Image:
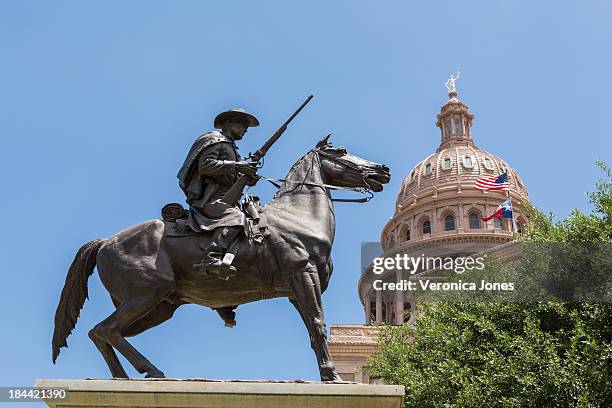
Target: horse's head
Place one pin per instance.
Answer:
(342, 169)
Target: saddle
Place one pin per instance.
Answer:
(256, 220)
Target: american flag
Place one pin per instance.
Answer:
(501, 182)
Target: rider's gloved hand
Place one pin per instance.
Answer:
(246, 168)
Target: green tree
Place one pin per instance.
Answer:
(539, 354)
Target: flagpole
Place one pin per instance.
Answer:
(512, 225)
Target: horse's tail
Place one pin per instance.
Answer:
(73, 294)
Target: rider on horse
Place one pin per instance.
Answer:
(212, 166)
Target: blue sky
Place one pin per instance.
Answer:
(100, 101)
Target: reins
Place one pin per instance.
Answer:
(361, 190)
(275, 181)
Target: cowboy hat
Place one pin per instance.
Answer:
(249, 119)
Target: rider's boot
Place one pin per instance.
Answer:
(217, 259)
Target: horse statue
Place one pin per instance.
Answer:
(149, 273)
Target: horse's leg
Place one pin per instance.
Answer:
(109, 355)
(316, 284)
(307, 295)
(297, 307)
(111, 329)
(162, 312)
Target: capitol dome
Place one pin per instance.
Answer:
(448, 176)
(439, 210)
(452, 165)
(457, 160)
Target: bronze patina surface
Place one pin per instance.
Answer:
(148, 269)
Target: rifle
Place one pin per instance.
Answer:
(233, 194)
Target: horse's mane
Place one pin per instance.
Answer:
(299, 161)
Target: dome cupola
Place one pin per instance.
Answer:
(454, 119)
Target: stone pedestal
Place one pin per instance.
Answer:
(221, 394)
(350, 346)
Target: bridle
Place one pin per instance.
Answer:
(318, 152)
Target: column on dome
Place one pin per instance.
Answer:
(378, 307)
(434, 224)
(386, 310)
(399, 301)
(434, 219)
(368, 310)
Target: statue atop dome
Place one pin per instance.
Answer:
(450, 84)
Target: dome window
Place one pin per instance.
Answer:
(458, 126)
(447, 164)
(467, 162)
(497, 223)
(427, 169)
(449, 223)
(447, 127)
(427, 227)
(412, 176)
(408, 235)
(474, 220)
(488, 163)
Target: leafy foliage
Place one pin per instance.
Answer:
(539, 354)
(578, 227)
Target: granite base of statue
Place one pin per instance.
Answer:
(166, 393)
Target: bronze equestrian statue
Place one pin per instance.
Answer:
(148, 269)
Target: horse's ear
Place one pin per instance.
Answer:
(324, 142)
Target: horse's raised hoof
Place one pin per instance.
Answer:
(155, 374)
(228, 315)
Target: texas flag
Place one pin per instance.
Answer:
(503, 211)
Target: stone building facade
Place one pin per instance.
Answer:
(438, 213)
